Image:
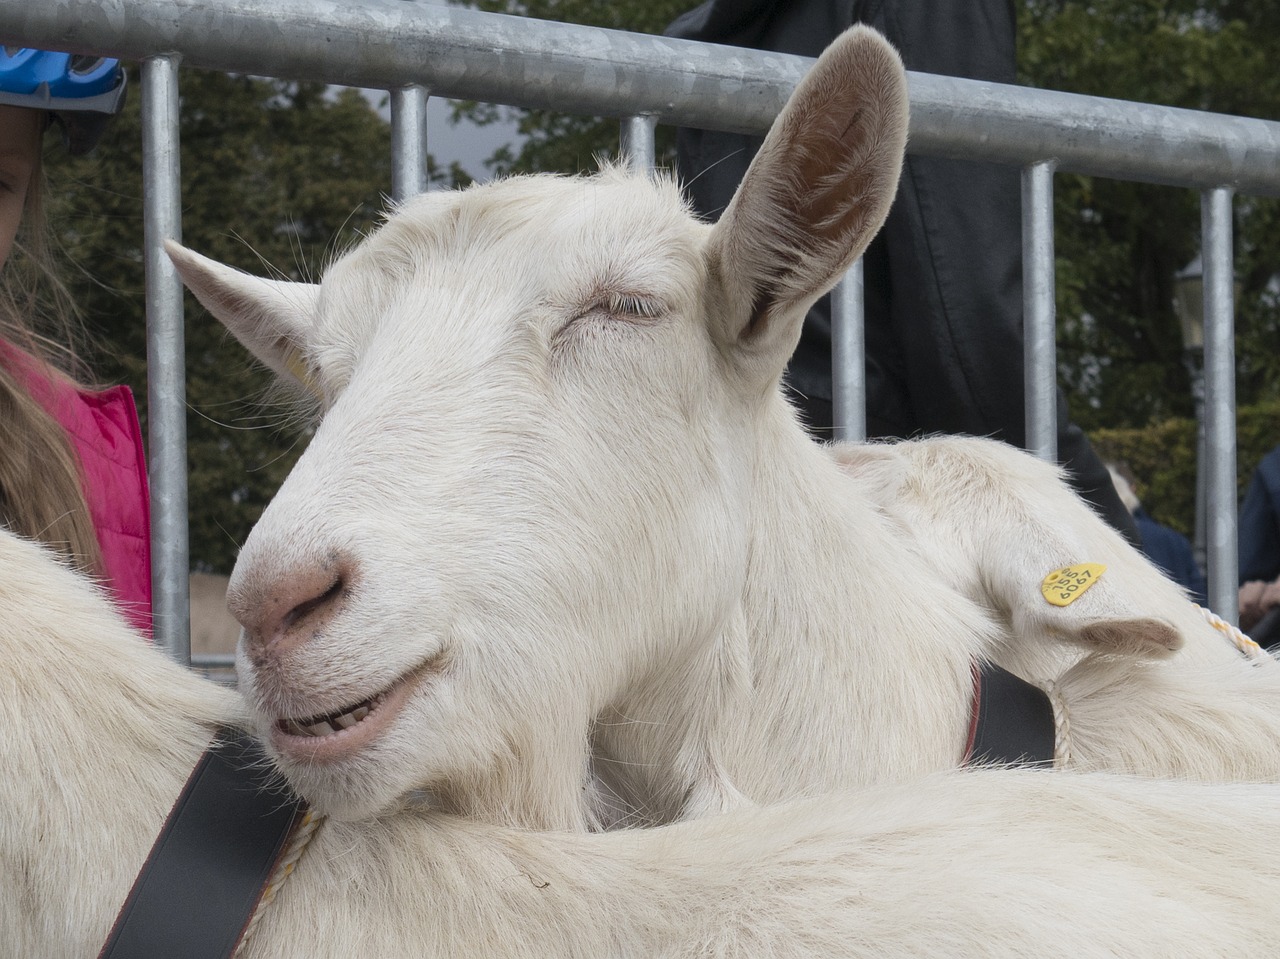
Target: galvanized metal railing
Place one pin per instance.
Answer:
(412, 49)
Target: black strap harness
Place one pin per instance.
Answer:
(198, 889)
(1012, 721)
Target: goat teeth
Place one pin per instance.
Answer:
(328, 725)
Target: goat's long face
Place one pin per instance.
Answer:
(521, 490)
(542, 403)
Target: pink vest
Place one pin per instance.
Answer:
(104, 431)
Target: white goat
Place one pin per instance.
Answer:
(101, 730)
(557, 507)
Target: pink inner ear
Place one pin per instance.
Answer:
(846, 153)
(824, 179)
(1141, 637)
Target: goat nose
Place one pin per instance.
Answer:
(284, 611)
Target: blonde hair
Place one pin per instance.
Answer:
(41, 481)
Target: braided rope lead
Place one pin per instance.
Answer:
(1061, 724)
(1238, 639)
(284, 869)
(1062, 718)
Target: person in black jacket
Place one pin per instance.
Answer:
(943, 280)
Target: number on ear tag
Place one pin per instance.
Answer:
(1064, 586)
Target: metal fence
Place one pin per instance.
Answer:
(414, 50)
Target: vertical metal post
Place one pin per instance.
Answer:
(1199, 529)
(637, 142)
(166, 360)
(1220, 401)
(408, 142)
(1040, 372)
(848, 357)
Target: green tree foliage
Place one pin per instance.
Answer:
(1163, 456)
(1120, 244)
(275, 177)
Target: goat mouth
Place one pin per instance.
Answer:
(333, 736)
(331, 723)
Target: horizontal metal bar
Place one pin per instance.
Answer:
(1093, 135)
(213, 660)
(216, 666)
(466, 54)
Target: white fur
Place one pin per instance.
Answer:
(100, 732)
(555, 479)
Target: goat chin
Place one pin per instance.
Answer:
(101, 731)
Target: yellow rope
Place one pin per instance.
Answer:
(1238, 639)
(1061, 724)
(1062, 718)
(284, 869)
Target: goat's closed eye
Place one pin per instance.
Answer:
(623, 306)
(607, 314)
(633, 307)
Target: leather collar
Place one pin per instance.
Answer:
(198, 889)
(1012, 721)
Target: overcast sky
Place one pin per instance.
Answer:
(465, 142)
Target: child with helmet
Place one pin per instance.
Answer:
(72, 465)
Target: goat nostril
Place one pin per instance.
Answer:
(302, 610)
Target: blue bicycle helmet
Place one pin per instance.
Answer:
(81, 93)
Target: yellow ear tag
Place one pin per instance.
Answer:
(1064, 586)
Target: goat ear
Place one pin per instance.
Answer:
(272, 318)
(814, 196)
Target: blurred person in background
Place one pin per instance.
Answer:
(72, 465)
(1164, 546)
(1260, 552)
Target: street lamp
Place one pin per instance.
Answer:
(1188, 303)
